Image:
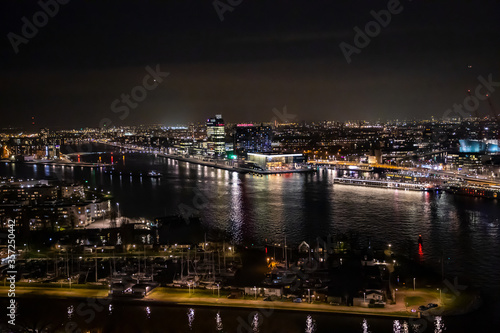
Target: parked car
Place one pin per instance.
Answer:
(423, 308)
(297, 300)
(432, 305)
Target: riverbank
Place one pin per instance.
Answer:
(224, 166)
(228, 165)
(207, 298)
(60, 163)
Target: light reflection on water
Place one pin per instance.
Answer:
(463, 230)
(129, 317)
(310, 325)
(218, 322)
(190, 315)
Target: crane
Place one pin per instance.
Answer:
(478, 117)
(494, 114)
(476, 112)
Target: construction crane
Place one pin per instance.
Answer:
(492, 108)
(476, 110)
(494, 114)
(478, 117)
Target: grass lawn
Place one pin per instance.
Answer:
(184, 293)
(64, 292)
(460, 302)
(58, 285)
(415, 300)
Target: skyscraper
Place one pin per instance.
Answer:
(216, 135)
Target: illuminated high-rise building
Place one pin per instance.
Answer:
(216, 135)
(249, 138)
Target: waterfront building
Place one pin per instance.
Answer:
(216, 135)
(272, 161)
(466, 162)
(249, 138)
(477, 146)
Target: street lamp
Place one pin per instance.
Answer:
(255, 288)
(218, 290)
(440, 297)
(414, 284)
(309, 294)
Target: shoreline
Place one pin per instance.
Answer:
(205, 302)
(60, 163)
(232, 168)
(212, 164)
(167, 296)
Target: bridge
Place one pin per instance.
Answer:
(87, 153)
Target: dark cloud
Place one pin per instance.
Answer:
(263, 55)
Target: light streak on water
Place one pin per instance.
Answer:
(365, 326)
(406, 329)
(190, 315)
(218, 322)
(439, 325)
(255, 323)
(396, 327)
(310, 325)
(71, 309)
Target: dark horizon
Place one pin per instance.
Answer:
(260, 57)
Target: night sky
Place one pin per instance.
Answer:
(263, 55)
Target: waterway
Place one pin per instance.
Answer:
(465, 231)
(112, 316)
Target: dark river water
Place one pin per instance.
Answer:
(250, 209)
(60, 315)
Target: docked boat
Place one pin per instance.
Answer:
(474, 191)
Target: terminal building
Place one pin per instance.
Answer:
(276, 162)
